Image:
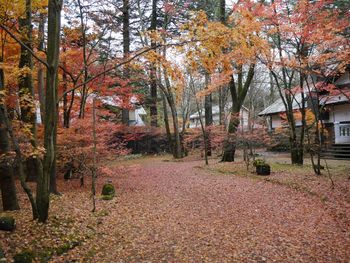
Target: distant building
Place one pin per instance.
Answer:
(244, 116)
(136, 112)
(336, 116)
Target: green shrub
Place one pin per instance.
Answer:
(7, 223)
(263, 169)
(259, 162)
(107, 197)
(24, 257)
(108, 191)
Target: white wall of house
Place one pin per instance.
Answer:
(135, 116)
(275, 121)
(244, 117)
(340, 113)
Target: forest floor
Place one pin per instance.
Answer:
(184, 211)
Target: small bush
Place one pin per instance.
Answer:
(263, 169)
(24, 257)
(107, 197)
(7, 223)
(108, 191)
(258, 162)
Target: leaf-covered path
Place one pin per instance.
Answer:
(180, 212)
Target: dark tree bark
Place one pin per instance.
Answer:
(26, 90)
(166, 123)
(199, 110)
(54, 27)
(41, 78)
(238, 93)
(65, 96)
(208, 115)
(223, 90)
(84, 91)
(7, 182)
(153, 77)
(177, 147)
(222, 16)
(126, 49)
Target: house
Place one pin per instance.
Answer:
(244, 116)
(335, 115)
(136, 112)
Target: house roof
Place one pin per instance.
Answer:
(335, 99)
(278, 106)
(117, 101)
(215, 110)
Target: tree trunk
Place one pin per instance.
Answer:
(177, 139)
(167, 127)
(41, 78)
(65, 96)
(221, 15)
(153, 77)
(177, 147)
(223, 90)
(54, 26)
(126, 50)
(26, 91)
(84, 91)
(7, 182)
(238, 95)
(208, 114)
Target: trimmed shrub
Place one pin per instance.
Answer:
(24, 257)
(7, 223)
(258, 162)
(108, 191)
(263, 169)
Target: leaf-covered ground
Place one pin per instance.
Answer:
(167, 211)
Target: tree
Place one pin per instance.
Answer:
(50, 122)
(126, 49)
(153, 77)
(7, 182)
(230, 55)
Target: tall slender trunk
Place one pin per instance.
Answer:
(26, 90)
(177, 139)
(65, 96)
(7, 182)
(41, 78)
(19, 163)
(199, 110)
(94, 165)
(223, 90)
(153, 77)
(167, 90)
(177, 146)
(166, 123)
(238, 93)
(208, 113)
(84, 91)
(126, 50)
(54, 27)
(221, 15)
